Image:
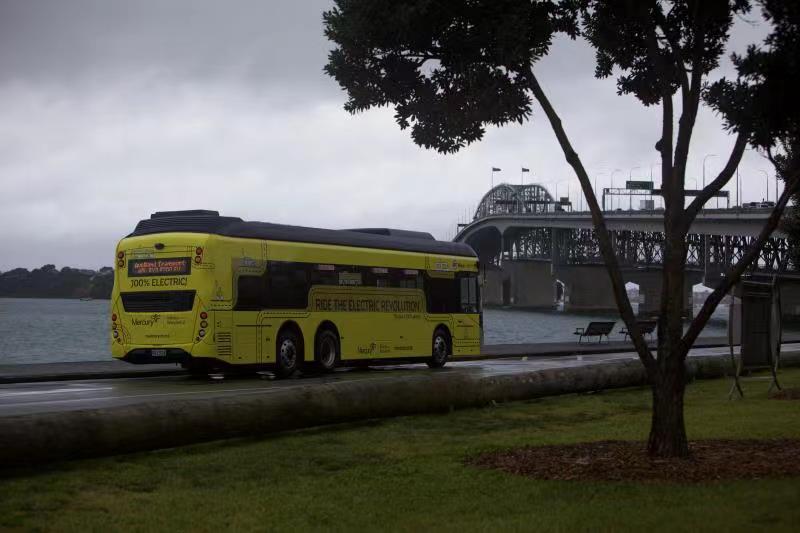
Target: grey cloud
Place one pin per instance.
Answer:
(259, 42)
(112, 110)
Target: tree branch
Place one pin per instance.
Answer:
(691, 102)
(674, 49)
(719, 182)
(735, 274)
(669, 191)
(606, 249)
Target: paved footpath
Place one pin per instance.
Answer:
(46, 421)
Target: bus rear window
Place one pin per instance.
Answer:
(157, 301)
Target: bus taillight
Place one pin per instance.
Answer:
(203, 315)
(113, 317)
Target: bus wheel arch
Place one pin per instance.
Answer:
(441, 346)
(289, 349)
(327, 346)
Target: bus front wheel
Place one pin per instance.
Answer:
(287, 353)
(327, 350)
(440, 349)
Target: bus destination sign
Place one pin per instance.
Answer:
(179, 266)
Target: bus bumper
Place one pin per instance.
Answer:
(148, 356)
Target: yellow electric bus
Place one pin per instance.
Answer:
(209, 291)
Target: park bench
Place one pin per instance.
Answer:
(647, 327)
(595, 329)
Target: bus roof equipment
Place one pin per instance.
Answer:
(205, 221)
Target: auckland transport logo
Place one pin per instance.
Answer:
(152, 321)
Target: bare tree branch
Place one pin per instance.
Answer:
(719, 182)
(735, 274)
(610, 258)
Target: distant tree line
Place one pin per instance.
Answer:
(49, 282)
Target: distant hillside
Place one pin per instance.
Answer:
(49, 282)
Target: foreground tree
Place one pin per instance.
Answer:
(768, 83)
(450, 68)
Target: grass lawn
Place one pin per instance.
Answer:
(407, 474)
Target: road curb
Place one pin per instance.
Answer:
(43, 437)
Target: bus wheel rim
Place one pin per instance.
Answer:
(288, 353)
(328, 353)
(439, 348)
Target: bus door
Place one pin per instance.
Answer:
(468, 325)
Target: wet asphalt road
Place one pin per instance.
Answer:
(27, 398)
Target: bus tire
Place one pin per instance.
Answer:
(327, 350)
(440, 348)
(197, 369)
(288, 353)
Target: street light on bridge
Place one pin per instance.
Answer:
(558, 198)
(704, 167)
(766, 183)
(630, 197)
(596, 190)
(612, 185)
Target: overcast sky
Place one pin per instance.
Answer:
(114, 109)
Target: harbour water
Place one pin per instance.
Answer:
(34, 330)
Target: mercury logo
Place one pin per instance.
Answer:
(154, 318)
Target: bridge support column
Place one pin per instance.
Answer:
(790, 301)
(531, 283)
(587, 288)
(650, 291)
(519, 284)
(492, 290)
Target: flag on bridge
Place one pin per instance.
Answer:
(495, 169)
(526, 169)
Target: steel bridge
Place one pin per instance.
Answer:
(522, 231)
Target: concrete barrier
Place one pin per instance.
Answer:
(43, 437)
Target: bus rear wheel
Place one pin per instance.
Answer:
(287, 353)
(327, 350)
(440, 350)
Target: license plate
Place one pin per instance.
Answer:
(158, 353)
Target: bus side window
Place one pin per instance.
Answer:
(288, 285)
(323, 275)
(469, 294)
(442, 295)
(464, 294)
(406, 278)
(250, 292)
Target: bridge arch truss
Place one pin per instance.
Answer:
(508, 199)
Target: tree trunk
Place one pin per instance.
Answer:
(668, 430)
